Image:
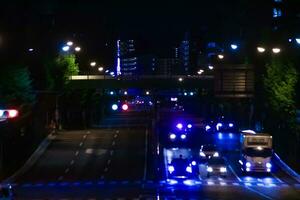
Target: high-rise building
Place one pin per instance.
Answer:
(184, 54)
(127, 60)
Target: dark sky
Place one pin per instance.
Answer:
(158, 24)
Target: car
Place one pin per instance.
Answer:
(216, 166)
(208, 151)
(6, 192)
(180, 168)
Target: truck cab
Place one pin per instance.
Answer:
(256, 152)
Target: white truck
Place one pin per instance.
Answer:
(256, 152)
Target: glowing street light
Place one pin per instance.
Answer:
(210, 67)
(93, 64)
(298, 40)
(276, 50)
(69, 43)
(234, 46)
(65, 48)
(261, 49)
(100, 69)
(201, 71)
(221, 56)
(77, 49)
(180, 79)
(147, 92)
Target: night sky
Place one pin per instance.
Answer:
(157, 24)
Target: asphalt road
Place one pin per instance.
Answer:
(115, 161)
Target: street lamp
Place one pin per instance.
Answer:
(180, 79)
(276, 50)
(65, 48)
(147, 92)
(261, 49)
(100, 69)
(77, 49)
(221, 56)
(93, 64)
(210, 67)
(70, 43)
(234, 46)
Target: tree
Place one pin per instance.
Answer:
(15, 86)
(280, 87)
(60, 69)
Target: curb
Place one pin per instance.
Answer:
(286, 168)
(33, 158)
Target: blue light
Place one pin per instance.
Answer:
(207, 127)
(191, 93)
(118, 58)
(189, 182)
(172, 136)
(172, 181)
(230, 135)
(220, 136)
(111, 93)
(234, 46)
(189, 126)
(179, 126)
(183, 136)
(114, 107)
(194, 163)
(268, 165)
(188, 169)
(219, 125)
(230, 125)
(248, 164)
(171, 169)
(185, 94)
(298, 40)
(65, 48)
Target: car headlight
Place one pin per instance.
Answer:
(209, 169)
(202, 154)
(172, 136)
(171, 169)
(189, 169)
(207, 127)
(216, 154)
(248, 164)
(183, 136)
(223, 169)
(268, 165)
(230, 125)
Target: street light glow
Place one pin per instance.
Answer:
(77, 49)
(147, 93)
(65, 48)
(298, 40)
(93, 64)
(70, 43)
(100, 69)
(221, 56)
(210, 67)
(276, 50)
(261, 49)
(234, 46)
(180, 79)
(200, 71)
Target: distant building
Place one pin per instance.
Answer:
(167, 66)
(184, 54)
(147, 65)
(127, 60)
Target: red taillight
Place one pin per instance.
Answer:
(125, 107)
(13, 113)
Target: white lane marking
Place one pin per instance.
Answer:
(108, 162)
(238, 178)
(81, 143)
(259, 193)
(77, 153)
(67, 170)
(111, 152)
(113, 143)
(60, 178)
(146, 154)
(72, 162)
(278, 179)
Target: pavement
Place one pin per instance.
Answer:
(115, 161)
